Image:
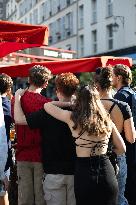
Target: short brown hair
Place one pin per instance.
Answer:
(39, 75)
(66, 83)
(123, 71)
(5, 83)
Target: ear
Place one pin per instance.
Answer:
(29, 80)
(97, 87)
(45, 85)
(119, 78)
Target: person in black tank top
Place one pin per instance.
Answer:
(121, 116)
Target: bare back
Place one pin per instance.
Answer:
(115, 114)
(122, 117)
(89, 145)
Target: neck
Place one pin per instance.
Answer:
(120, 86)
(105, 94)
(34, 89)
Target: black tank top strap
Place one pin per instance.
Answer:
(114, 103)
(111, 108)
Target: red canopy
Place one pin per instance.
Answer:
(74, 66)
(15, 37)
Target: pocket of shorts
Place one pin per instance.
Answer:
(47, 195)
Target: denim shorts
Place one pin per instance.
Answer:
(2, 191)
(121, 177)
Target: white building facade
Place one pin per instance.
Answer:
(90, 27)
(3, 9)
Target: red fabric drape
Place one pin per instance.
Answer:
(14, 36)
(74, 66)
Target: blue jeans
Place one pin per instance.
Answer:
(121, 177)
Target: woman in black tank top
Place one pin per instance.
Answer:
(121, 116)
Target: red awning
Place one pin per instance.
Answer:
(74, 66)
(15, 36)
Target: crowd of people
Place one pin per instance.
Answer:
(77, 150)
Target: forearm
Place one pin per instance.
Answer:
(58, 113)
(19, 116)
(61, 104)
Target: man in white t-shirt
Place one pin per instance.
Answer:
(3, 152)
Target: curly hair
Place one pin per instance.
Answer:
(5, 83)
(103, 76)
(39, 75)
(66, 83)
(123, 71)
(89, 113)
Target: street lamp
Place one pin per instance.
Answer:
(115, 25)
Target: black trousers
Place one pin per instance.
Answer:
(95, 181)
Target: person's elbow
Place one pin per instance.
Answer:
(132, 137)
(132, 140)
(123, 149)
(120, 150)
(17, 121)
(20, 121)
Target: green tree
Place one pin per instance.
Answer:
(133, 76)
(85, 78)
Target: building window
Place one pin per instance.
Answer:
(109, 8)
(26, 20)
(63, 4)
(94, 11)
(68, 47)
(42, 17)
(63, 27)
(94, 41)
(50, 34)
(68, 2)
(34, 2)
(58, 30)
(30, 5)
(81, 45)
(110, 36)
(35, 16)
(50, 8)
(81, 16)
(69, 24)
(30, 18)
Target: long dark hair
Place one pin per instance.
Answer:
(89, 114)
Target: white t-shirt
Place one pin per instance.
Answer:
(3, 143)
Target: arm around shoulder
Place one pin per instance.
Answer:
(58, 113)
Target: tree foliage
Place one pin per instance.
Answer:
(85, 78)
(133, 76)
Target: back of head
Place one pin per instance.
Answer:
(103, 77)
(66, 83)
(6, 83)
(89, 113)
(125, 72)
(39, 75)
